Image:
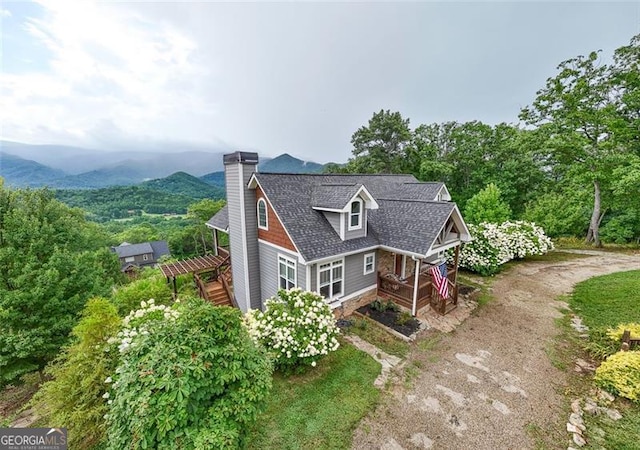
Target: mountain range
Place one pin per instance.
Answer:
(25, 165)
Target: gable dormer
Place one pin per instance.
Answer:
(345, 207)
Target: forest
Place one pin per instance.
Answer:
(572, 163)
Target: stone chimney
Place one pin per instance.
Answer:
(243, 228)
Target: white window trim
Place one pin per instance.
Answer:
(129, 259)
(341, 260)
(292, 261)
(266, 214)
(373, 263)
(360, 215)
(145, 257)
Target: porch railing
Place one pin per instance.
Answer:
(402, 291)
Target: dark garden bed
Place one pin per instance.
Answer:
(389, 314)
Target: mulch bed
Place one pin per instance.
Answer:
(389, 318)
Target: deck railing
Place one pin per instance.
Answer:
(402, 290)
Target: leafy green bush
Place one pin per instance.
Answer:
(189, 380)
(73, 398)
(620, 375)
(381, 305)
(128, 297)
(558, 214)
(296, 327)
(487, 206)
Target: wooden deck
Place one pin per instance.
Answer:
(402, 291)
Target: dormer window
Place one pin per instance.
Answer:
(355, 215)
(262, 215)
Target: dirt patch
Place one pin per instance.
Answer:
(489, 382)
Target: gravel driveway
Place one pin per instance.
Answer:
(490, 383)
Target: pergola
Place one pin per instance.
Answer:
(194, 265)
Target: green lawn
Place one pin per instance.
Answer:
(605, 302)
(374, 334)
(608, 300)
(321, 408)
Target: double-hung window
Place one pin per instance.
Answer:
(286, 272)
(355, 215)
(330, 279)
(369, 263)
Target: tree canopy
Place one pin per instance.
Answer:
(51, 261)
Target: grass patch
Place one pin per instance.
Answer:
(575, 243)
(602, 302)
(320, 408)
(608, 300)
(372, 333)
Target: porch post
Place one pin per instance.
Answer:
(456, 261)
(416, 282)
(215, 242)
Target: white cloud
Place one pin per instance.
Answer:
(5, 12)
(107, 64)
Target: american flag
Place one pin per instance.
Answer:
(439, 276)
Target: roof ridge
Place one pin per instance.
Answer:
(413, 200)
(338, 174)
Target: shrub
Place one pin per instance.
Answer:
(620, 375)
(128, 297)
(296, 327)
(404, 318)
(189, 380)
(74, 397)
(487, 206)
(616, 333)
(381, 305)
(494, 245)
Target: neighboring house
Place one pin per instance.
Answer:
(350, 238)
(145, 254)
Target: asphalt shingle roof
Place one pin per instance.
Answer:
(125, 251)
(333, 196)
(408, 219)
(156, 248)
(220, 220)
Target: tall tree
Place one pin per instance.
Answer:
(577, 106)
(51, 261)
(381, 146)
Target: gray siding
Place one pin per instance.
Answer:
(354, 278)
(334, 220)
(355, 233)
(245, 263)
(269, 280)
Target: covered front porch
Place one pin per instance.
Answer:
(407, 281)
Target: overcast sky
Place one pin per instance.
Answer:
(279, 77)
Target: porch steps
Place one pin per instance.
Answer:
(216, 294)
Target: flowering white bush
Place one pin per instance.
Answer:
(494, 245)
(297, 327)
(136, 323)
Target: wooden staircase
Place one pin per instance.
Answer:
(217, 294)
(215, 285)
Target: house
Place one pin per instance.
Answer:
(145, 254)
(351, 238)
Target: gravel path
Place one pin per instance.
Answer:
(490, 381)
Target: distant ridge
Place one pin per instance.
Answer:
(184, 184)
(20, 172)
(286, 163)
